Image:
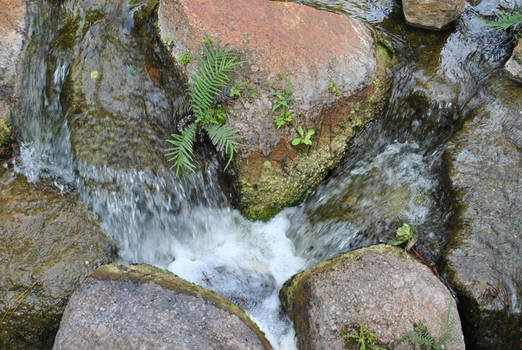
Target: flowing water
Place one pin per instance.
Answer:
(87, 135)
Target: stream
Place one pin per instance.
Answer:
(190, 227)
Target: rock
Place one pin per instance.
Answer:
(119, 113)
(513, 66)
(5, 134)
(48, 244)
(13, 29)
(432, 14)
(483, 259)
(380, 287)
(279, 43)
(140, 306)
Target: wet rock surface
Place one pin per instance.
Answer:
(281, 42)
(432, 14)
(48, 244)
(513, 66)
(112, 95)
(139, 306)
(13, 31)
(483, 260)
(380, 287)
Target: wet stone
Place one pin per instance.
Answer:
(139, 306)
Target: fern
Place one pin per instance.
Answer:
(421, 335)
(506, 20)
(224, 139)
(212, 76)
(181, 151)
(214, 66)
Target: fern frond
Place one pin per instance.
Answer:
(506, 20)
(182, 148)
(224, 138)
(421, 336)
(217, 62)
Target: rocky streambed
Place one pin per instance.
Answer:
(416, 112)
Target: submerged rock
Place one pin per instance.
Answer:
(483, 261)
(513, 66)
(432, 14)
(13, 28)
(380, 287)
(338, 85)
(140, 306)
(48, 244)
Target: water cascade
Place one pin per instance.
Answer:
(191, 227)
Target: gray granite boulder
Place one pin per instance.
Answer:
(381, 287)
(142, 307)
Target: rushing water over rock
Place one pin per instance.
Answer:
(102, 134)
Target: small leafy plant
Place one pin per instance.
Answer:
(422, 336)
(184, 58)
(304, 138)
(214, 66)
(237, 89)
(282, 104)
(364, 339)
(333, 88)
(403, 235)
(508, 21)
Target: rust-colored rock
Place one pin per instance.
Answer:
(278, 42)
(513, 66)
(13, 26)
(432, 14)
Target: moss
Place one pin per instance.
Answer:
(266, 186)
(142, 273)
(5, 138)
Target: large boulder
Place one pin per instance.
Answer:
(432, 14)
(513, 66)
(48, 244)
(381, 287)
(140, 306)
(121, 98)
(13, 29)
(280, 43)
(483, 261)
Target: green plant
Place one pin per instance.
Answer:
(422, 336)
(184, 58)
(132, 69)
(364, 339)
(168, 40)
(357, 123)
(237, 89)
(508, 21)
(333, 88)
(214, 66)
(282, 104)
(283, 119)
(403, 235)
(355, 109)
(304, 138)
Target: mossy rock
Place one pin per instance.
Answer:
(270, 173)
(5, 137)
(48, 244)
